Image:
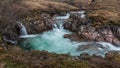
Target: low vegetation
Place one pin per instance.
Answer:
(17, 58)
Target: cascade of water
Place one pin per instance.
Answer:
(83, 15)
(58, 26)
(110, 46)
(63, 17)
(23, 30)
(53, 41)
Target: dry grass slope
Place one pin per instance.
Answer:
(47, 5)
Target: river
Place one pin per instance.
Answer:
(54, 41)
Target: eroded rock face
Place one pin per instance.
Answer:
(91, 46)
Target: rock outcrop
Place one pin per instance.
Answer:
(102, 22)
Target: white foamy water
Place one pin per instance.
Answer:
(28, 36)
(109, 46)
(82, 13)
(63, 17)
(23, 30)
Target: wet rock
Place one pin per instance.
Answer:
(84, 56)
(91, 46)
(73, 37)
(116, 30)
(111, 55)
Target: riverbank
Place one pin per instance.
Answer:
(16, 57)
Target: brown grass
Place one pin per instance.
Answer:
(47, 5)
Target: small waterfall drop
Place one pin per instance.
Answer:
(23, 30)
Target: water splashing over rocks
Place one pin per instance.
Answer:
(54, 41)
(23, 31)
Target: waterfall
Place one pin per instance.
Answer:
(23, 30)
